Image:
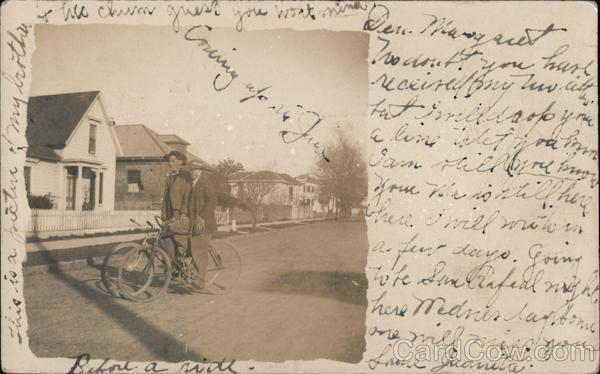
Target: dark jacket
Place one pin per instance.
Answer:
(203, 202)
(177, 194)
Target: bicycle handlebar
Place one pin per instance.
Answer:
(140, 225)
(160, 221)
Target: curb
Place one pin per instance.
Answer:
(77, 264)
(61, 266)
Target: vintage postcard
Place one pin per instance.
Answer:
(299, 187)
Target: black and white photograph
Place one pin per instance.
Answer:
(210, 186)
(174, 217)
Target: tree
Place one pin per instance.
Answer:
(343, 177)
(228, 166)
(223, 170)
(253, 194)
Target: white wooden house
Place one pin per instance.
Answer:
(72, 149)
(283, 190)
(310, 193)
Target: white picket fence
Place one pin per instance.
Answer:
(42, 220)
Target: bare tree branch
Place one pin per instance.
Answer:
(253, 194)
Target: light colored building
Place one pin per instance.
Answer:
(71, 151)
(310, 194)
(282, 188)
(309, 189)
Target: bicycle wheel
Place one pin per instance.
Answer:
(144, 275)
(110, 266)
(224, 267)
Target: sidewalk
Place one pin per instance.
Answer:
(52, 245)
(268, 225)
(81, 250)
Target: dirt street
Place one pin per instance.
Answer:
(302, 296)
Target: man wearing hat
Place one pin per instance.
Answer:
(175, 204)
(203, 201)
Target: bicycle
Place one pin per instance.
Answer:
(146, 270)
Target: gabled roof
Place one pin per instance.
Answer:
(265, 175)
(172, 138)
(51, 119)
(42, 152)
(261, 176)
(139, 141)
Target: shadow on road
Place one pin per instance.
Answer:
(162, 345)
(346, 287)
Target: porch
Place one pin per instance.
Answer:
(84, 186)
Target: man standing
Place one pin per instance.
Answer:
(203, 202)
(175, 204)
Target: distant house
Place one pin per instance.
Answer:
(286, 190)
(310, 195)
(71, 151)
(141, 169)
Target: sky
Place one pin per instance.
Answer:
(153, 76)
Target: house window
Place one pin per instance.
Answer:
(92, 144)
(291, 193)
(134, 181)
(27, 172)
(100, 188)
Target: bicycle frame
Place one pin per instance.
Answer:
(162, 234)
(224, 265)
(162, 228)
